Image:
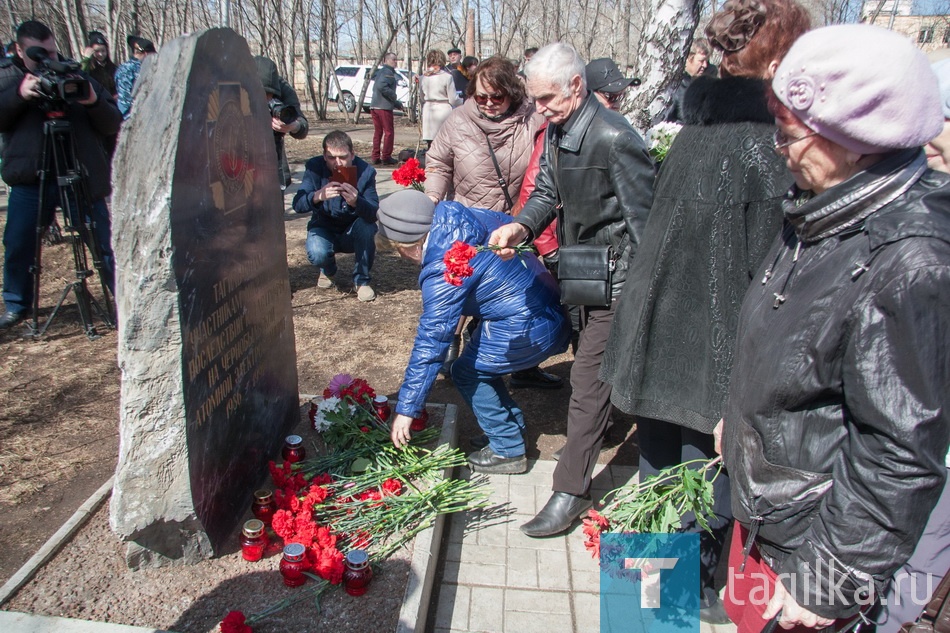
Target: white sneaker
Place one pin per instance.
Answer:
(324, 281)
(365, 293)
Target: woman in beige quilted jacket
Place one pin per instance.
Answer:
(438, 93)
(496, 118)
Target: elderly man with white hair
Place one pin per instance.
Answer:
(596, 179)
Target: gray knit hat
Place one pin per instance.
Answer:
(405, 216)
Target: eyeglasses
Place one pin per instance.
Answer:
(613, 97)
(496, 99)
(781, 140)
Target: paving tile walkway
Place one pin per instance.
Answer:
(498, 580)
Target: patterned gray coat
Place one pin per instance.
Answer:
(716, 210)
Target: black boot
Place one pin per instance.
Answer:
(557, 515)
(488, 461)
(536, 379)
(453, 354)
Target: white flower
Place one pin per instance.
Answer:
(328, 405)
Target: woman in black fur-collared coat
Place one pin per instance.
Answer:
(716, 210)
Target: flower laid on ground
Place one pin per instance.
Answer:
(330, 506)
(655, 505)
(660, 138)
(233, 622)
(457, 258)
(410, 175)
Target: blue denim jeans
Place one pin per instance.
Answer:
(496, 411)
(19, 242)
(359, 239)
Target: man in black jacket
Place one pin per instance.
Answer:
(381, 107)
(22, 121)
(596, 178)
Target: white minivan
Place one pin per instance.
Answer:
(351, 82)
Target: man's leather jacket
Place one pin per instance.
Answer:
(598, 168)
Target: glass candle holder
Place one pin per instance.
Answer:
(253, 540)
(420, 423)
(357, 573)
(381, 406)
(292, 565)
(264, 506)
(293, 451)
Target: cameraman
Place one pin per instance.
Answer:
(22, 118)
(277, 89)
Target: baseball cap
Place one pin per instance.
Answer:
(604, 76)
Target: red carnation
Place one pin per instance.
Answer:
(410, 174)
(392, 487)
(233, 622)
(593, 527)
(456, 260)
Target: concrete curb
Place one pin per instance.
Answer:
(54, 544)
(414, 614)
(14, 622)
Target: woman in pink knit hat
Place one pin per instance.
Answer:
(836, 425)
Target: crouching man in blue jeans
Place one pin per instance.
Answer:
(520, 320)
(339, 189)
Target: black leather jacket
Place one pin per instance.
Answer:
(837, 423)
(604, 175)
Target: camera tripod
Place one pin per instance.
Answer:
(59, 160)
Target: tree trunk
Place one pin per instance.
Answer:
(665, 44)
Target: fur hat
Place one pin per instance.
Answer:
(863, 87)
(405, 216)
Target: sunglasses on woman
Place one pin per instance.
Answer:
(496, 99)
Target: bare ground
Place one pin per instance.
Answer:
(59, 438)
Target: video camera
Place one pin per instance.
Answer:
(280, 110)
(59, 80)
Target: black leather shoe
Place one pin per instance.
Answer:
(9, 319)
(390, 161)
(557, 515)
(534, 378)
(488, 461)
(711, 609)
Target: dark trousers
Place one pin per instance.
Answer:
(382, 134)
(664, 444)
(589, 408)
(19, 242)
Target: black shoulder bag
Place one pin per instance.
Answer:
(509, 204)
(584, 271)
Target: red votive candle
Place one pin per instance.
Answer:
(381, 406)
(264, 506)
(357, 573)
(420, 423)
(253, 540)
(293, 451)
(292, 565)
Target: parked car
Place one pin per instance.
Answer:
(351, 82)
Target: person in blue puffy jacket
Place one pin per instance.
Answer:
(521, 321)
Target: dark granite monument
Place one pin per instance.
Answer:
(206, 339)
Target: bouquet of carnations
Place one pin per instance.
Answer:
(457, 258)
(660, 138)
(410, 174)
(657, 504)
